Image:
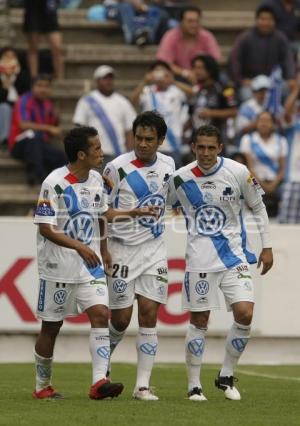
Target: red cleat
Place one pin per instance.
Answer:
(105, 389)
(47, 393)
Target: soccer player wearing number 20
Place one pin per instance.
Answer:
(211, 191)
(140, 178)
(70, 216)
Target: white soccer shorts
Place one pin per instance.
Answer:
(200, 290)
(140, 269)
(57, 301)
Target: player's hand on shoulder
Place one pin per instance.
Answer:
(266, 259)
(88, 255)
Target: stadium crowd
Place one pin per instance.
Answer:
(253, 101)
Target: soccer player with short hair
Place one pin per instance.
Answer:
(211, 191)
(70, 215)
(139, 178)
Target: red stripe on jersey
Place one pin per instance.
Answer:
(71, 178)
(197, 172)
(138, 163)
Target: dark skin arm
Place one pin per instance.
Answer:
(52, 233)
(266, 259)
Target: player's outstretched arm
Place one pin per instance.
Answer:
(52, 233)
(113, 215)
(266, 259)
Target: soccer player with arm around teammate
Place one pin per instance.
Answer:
(72, 202)
(139, 261)
(211, 191)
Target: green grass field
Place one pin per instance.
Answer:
(270, 396)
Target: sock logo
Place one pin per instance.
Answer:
(196, 347)
(239, 344)
(43, 371)
(104, 351)
(149, 348)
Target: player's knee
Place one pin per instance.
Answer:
(147, 319)
(99, 319)
(199, 319)
(51, 328)
(120, 323)
(245, 317)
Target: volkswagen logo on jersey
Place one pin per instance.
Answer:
(60, 297)
(119, 286)
(202, 287)
(80, 227)
(210, 220)
(152, 200)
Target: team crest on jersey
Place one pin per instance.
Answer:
(153, 186)
(84, 203)
(208, 197)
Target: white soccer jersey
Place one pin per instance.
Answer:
(137, 185)
(265, 154)
(172, 104)
(111, 115)
(74, 207)
(212, 206)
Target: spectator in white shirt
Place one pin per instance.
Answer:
(109, 112)
(159, 91)
(266, 152)
(250, 109)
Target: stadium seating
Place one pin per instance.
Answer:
(88, 44)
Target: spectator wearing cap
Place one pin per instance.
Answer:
(250, 109)
(109, 112)
(259, 51)
(266, 152)
(181, 44)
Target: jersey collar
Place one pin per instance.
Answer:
(199, 172)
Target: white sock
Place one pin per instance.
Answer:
(43, 372)
(236, 342)
(100, 352)
(194, 348)
(115, 337)
(146, 346)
